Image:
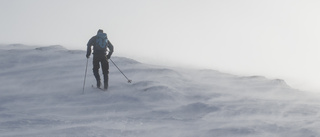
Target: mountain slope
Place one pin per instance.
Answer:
(41, 95)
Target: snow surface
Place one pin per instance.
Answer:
(41, 95)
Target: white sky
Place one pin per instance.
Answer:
(273, 38)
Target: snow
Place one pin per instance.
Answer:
(41, 95)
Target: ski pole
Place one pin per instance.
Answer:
(129, 81)
(85, 75)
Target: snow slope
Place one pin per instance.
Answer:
(41, 95)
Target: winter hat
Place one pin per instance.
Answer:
(100, 31)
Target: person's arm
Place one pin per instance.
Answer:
(110, 46)
(89, 44)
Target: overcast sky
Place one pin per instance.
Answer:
(272, 38)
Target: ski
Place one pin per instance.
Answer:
(98, 88)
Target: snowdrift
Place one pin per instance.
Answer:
(41, 95)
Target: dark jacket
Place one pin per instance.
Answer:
(100, 47)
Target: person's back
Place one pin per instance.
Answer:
(100, 45)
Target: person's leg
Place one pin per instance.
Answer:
(105, 70)
(95, 69)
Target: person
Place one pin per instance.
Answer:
(100, 44)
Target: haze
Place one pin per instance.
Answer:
(272, 38)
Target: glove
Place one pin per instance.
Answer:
(108, 56)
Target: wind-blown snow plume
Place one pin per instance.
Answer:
(41, 96)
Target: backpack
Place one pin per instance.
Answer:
(101, 41)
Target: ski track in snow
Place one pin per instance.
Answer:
(41, 95)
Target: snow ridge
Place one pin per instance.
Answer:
(41, 96)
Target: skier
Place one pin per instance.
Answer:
(100, 44)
